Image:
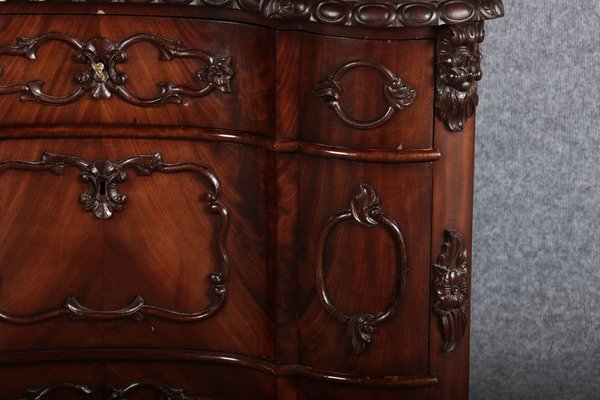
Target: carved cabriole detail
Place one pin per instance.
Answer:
(451, 289)
(101, 78)
(397, 94)
(458, 70)
(101, 201)
(160, 390)
(365, 210)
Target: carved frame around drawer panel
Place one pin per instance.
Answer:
(165, 392)
(108, 176)
(366, 211)
(397, 94)
(101, 77)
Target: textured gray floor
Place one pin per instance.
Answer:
(536, 256)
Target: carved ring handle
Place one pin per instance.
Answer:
(366, 211)
(397, 94)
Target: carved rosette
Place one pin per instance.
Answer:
(451, 289)
(397, 94)
(159, 390)
(458, 70)
(101, 78)
(366, 211)
(102, 199)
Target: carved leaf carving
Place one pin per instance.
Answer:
(451, 289)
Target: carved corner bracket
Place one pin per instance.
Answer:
(102, 198)
(397, 94)
(458, 70)
(102, 79)
(451, 289)
(108, 391)
(366, 211)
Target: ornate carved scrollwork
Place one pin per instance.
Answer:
(397, 94)
(160, 390)
(102, 198)
(458, 70)
(365, 210)
(382, 14)
(101, 78)
(451, 289)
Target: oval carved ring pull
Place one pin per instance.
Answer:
(397, 94)
(365, 210)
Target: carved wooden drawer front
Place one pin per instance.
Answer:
(237, 199)
(368, 94)
(131, 380)
(146, 71)
(130, 247)
(364, 262)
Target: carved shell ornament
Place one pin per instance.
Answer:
(102, 79)
(366, 211)
(397, 94)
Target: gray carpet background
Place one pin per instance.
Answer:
(536, 255)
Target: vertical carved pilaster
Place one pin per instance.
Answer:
(451, 289)
(458, 70)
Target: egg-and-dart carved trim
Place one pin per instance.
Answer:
(458, 70)
(101, 78)
(106, 174)
(366, 211)
(451, 289)
(108, 392)
(375, 14)
(397, 94)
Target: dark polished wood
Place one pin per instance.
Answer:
(237, 199)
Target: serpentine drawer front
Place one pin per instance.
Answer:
(237, 199)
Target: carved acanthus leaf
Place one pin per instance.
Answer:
(451, 289)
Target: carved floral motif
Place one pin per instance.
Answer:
(101, 79)
(451, 289)
(397, 94)
(102, 198)
(366, 211)
(458, 70)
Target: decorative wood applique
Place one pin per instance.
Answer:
(102, 198)
(397, 94)
(365, 210)
(160, 391)
(101, 78)
(451, 289)
(458, 70)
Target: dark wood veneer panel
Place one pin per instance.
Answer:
(249, 106)
(162, 246)
(363, 98)
(361, 265)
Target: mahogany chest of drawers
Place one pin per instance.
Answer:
(237, 199)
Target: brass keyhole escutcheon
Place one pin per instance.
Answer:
(99, 71)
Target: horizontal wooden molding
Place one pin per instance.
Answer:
(215, 357)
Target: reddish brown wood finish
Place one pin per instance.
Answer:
(279, 248)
